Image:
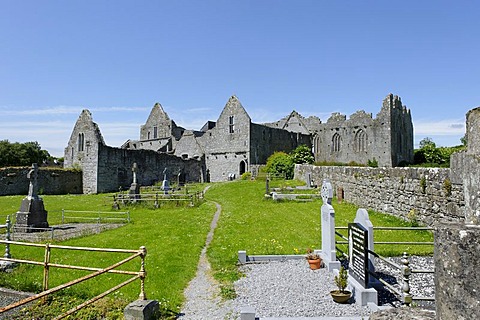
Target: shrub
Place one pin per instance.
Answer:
(302, 154)
(246, 176)
(280, 163)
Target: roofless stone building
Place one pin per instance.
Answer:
(232, 145)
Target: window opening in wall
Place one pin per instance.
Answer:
(231, 124)
(155, 132)
(360, 141)
(148, 135)
(81, 142)
(336, 142)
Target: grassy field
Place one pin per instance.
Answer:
(175, 236)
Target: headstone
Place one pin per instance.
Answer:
(358, 254)
(32, 213)
(165, 184)
(329, 251)
(181, 178)
(363, 219)
(308, 179)
(134, 190)
(339, 194)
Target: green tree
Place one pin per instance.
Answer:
(280, 163)
(431, 155)
(463, 140)
(21, 154)
(302, 154)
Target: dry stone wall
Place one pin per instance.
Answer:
(13, 181)
(431, 193)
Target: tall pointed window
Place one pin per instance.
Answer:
(231, 124)
(155, 132)
(360, 141)
(336, 142)
(81, 142)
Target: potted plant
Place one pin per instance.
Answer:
(341, 295)
(313, 259)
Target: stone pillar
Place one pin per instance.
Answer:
(457, 248)
(329, 251)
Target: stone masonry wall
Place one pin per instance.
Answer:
(395, 191)
(115, 168)
(457, 276)
(13, 181)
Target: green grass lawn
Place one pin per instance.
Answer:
(174, 237)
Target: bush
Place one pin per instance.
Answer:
(280, 163)
(246, 176)
(302, 154)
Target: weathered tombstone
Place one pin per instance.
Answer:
(32, 213)
(308, 179)
(165, 184)
(339, 194)
(134, 190)
(329, 251)
(181, 178)
(267, 186)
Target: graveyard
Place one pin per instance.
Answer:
(174, 236)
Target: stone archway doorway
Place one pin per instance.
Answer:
(243, 167)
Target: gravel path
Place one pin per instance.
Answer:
(203, 300)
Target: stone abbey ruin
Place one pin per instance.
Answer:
(225, 149)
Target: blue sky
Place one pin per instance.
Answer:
(117, 58)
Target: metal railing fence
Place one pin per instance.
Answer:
(97, 271)
(405, 270)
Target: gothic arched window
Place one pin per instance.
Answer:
(336, 142)
(81, 142)
(360, 141)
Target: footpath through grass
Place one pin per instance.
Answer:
(174, 237)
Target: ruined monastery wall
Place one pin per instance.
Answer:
(395, 191)
(13, 181)
(268, 140)
(115, 168)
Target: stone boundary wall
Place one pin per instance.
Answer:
(13, 181)
(396, 191)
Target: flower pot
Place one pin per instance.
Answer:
(340, 297)
(315, 264)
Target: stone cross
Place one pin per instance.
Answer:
(165, 173)
(329, 251)
(32, 176)
(134, 170)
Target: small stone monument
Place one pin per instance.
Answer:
(308, 179)
(165, 184)
(134, 191)
(32, 213)
(329, 251)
